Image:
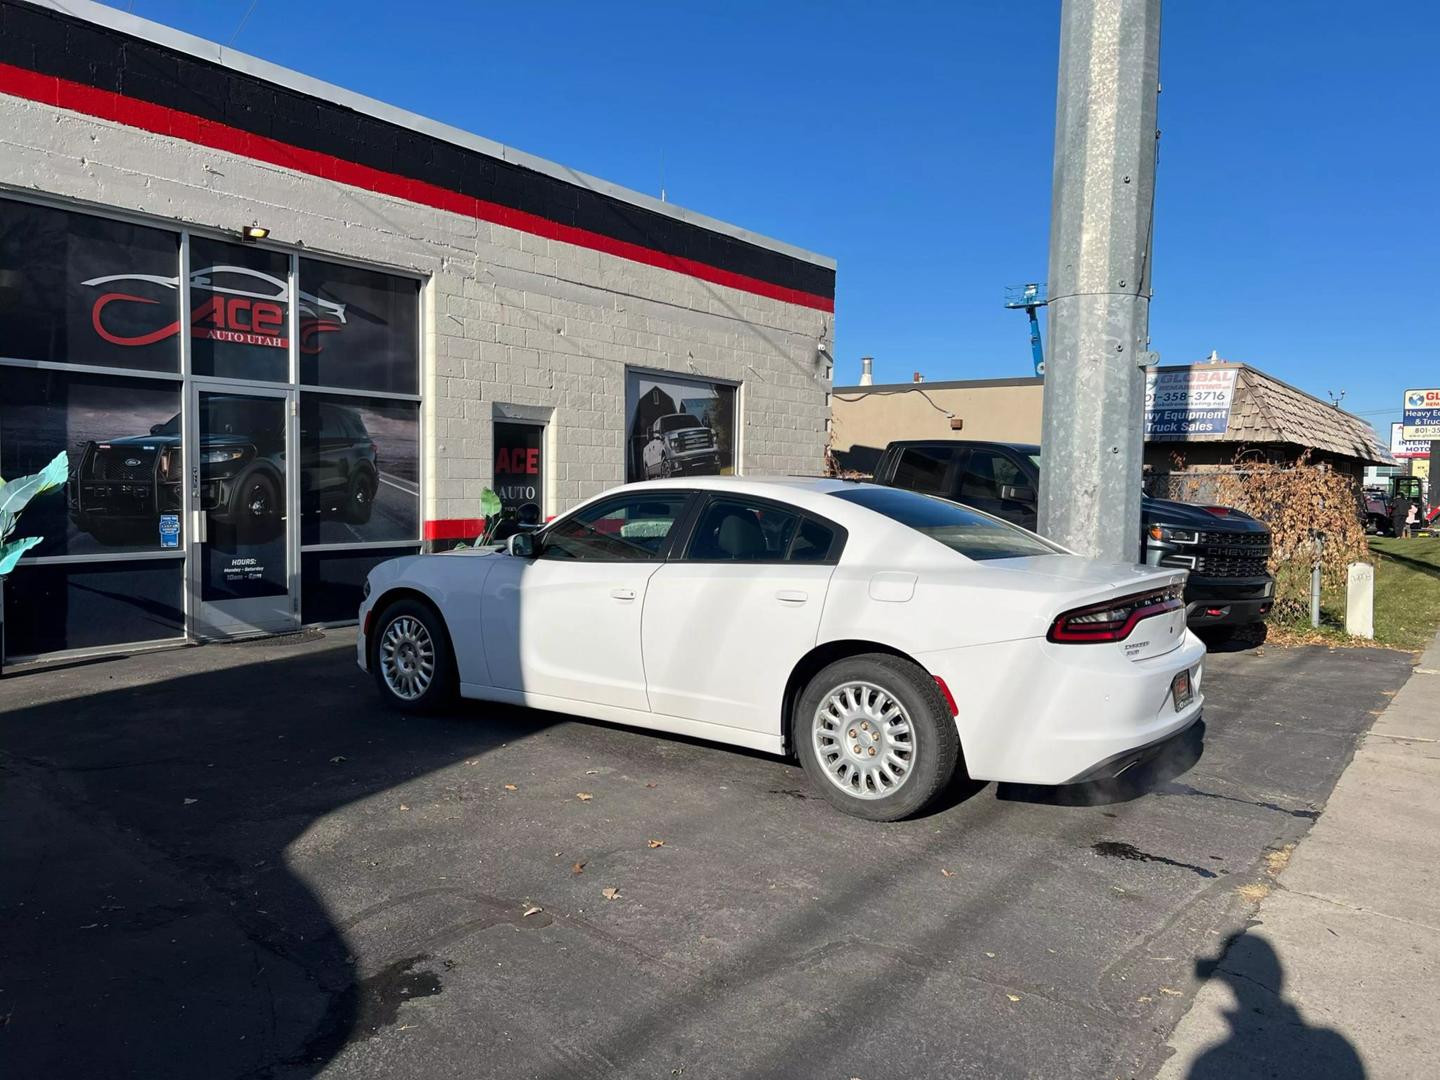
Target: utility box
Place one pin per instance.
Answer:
(1360, 601)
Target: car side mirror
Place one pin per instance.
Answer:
(1017, 493)
(521, 544)
(155, 429)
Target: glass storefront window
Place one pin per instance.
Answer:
(82, 289)
(359, 329)
(359, 469)
(239, 311)
(123, 438)
(78, 289)
(678, 427)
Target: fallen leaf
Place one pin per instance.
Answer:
(611, 893)
(592, 772)
(337, 759)
(578, 868)
(189, 801)
(404, 807)
(649, 785)
(584, 796)
(991, 955)
(656, 843)
(1172, 993)
(531, 910)
(946, 873)
(511, 787)
(1013, 997)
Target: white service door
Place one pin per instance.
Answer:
(721, 640)
(567, 628)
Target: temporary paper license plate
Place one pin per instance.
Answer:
(1180, 690)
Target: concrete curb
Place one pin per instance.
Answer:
(1338, 971)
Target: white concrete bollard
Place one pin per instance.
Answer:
(1360, 601)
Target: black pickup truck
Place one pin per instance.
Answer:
(1226, 551)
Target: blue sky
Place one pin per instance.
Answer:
(1296, 222)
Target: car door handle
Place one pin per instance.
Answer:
(623, 594)
(792, 596)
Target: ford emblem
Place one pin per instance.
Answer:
(133, 462)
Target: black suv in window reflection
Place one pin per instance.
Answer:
(122, 485)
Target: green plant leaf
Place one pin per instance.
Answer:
(489, 504)
(15, 494)
(10, 553)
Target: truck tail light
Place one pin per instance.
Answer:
(1114, 619)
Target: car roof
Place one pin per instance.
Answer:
(1022, 448)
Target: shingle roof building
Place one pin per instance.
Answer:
(1266, 410)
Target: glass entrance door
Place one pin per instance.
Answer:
(240, 484)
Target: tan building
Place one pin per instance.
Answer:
(1199, 417)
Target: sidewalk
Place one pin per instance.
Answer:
(1339, 972)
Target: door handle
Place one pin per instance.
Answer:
(623, 594)
(792, 596)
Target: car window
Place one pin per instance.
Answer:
(812, 543)
(969, 532)
(923, 468)
(986, 473)
(737, 530)
(630, 528)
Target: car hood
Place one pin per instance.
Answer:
(1167, 512)
(143, 441)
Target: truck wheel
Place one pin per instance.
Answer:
(411, 658)
(360, 501)
(876, 737)
(257, 511)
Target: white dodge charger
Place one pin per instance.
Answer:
(882, 636)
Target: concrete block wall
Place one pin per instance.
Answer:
(509, 318)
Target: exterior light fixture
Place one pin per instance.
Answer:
(255, 231)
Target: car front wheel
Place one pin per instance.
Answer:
(876, 737)
(412, 663)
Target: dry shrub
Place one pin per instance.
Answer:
(1293, 500)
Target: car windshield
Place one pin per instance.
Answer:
(675, 423)
(969, 532)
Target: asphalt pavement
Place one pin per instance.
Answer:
(231, 861)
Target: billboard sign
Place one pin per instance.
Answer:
(1422, 415)
(1188, 401)
(1402, 447)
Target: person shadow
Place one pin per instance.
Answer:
(1268, 1035)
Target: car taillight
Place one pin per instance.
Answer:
(1114, 619)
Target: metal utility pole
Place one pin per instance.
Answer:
(1100, 222)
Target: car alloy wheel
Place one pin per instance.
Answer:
(257, 499)
(863, 740)
(407, 658)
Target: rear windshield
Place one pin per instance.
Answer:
(959, 528)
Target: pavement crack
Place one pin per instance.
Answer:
(1359, 909)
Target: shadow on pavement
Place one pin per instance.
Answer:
(153, 927)
(1268, 1036)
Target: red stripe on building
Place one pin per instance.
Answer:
(161, 120)
(453, 528)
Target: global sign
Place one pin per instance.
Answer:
(1422, 415)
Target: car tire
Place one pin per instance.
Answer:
(903, 762)
(256, 511)
(411, 659)
(360, 500)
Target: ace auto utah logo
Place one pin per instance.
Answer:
(245, 307)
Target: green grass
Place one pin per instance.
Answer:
(1407, 597)
(1407, 590)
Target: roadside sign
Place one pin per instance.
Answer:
(1422, 415)
(1188, 401)
(169, 530)
(1402, 447)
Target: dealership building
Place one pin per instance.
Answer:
(282, 332)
